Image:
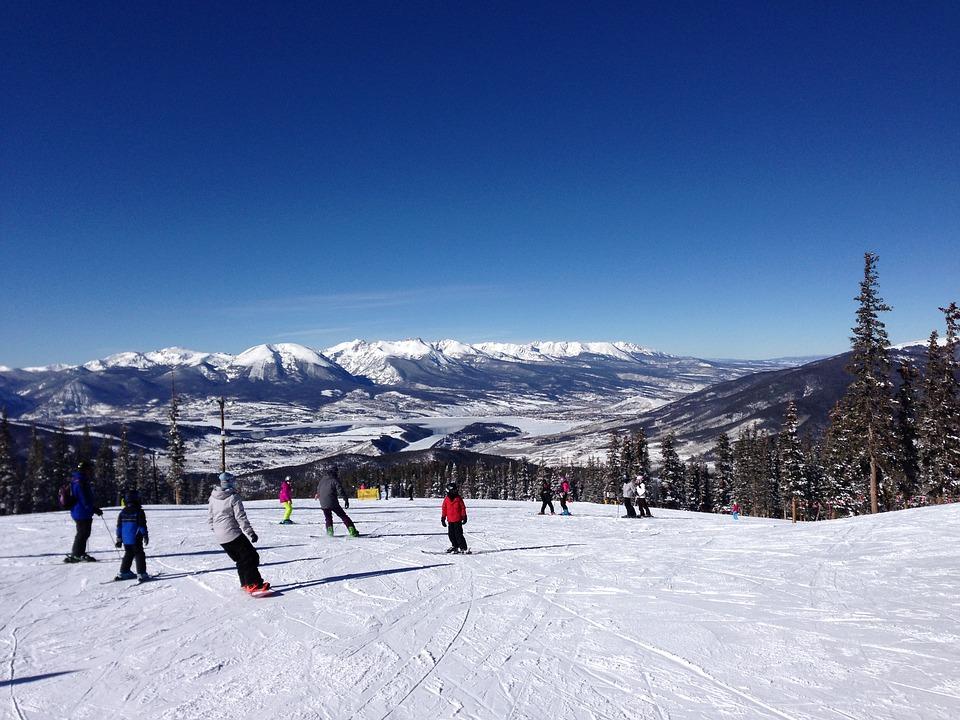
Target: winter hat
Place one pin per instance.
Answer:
(287, 479)
(452, 487)
(131, 497)
(227, 481)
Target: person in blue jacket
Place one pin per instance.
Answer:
(82, 510)
(133, 536)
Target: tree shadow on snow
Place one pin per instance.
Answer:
(354, 576)
(34, 678)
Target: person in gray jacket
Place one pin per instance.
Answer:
(629, 493)
(329, 489)
(233, 531)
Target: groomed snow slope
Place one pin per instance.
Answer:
(680, 616)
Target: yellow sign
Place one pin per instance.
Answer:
(367, 494)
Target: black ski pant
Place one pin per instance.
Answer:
(133, 553)
(545, 505)
(411, 492)
(80, 539)
(328, 514)
(643, 507)
(242, 553)
(455, 533)
(628, 504)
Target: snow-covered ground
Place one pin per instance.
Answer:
(679, 616)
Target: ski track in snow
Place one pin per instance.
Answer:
(680, 617)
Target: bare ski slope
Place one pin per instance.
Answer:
(681, 616)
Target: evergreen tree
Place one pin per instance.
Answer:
(60, 464)
(176, 453)
(868, 399)
(842, 466)
(722, 473)
(614, 471)
(36, 492)
(951, 402)
(671, 474)
(125, 465)
(9, 474)
(693, 485)
(908, 457)
(792, 465)
(104, 474)
(85, 447)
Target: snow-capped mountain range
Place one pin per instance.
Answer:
(357, 394)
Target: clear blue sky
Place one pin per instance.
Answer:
(701, 178)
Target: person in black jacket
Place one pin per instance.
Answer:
(329, 490)
(546, 495)
(133, 536)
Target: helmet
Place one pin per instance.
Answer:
(451, 487)
(131, 497)
(84, 466)
(227, 480)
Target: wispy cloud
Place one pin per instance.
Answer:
(361, 300)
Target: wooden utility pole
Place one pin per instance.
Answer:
(794, 509)
(223, 437)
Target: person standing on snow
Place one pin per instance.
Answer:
(629, 493)
(84, 507)
(328, 490)
(546, 497)
(642, 507)
(132, 536)
(564, 495)
(735, 510)
(453, 516)
(286, 499)
(229, 523)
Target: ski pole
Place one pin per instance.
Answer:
(112, 542)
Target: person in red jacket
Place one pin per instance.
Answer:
(453, 516)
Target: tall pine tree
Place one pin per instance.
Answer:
(722, 473)
(672, 475)
(175, 452)
(9, 472)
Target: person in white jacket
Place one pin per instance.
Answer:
(629, 493)
(233, 531)
(642, 507)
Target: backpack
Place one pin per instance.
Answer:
(66, 496)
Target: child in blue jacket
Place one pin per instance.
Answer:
(132, 534)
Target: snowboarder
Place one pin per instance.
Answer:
(546, 497)
(132, 535)
(735, 510)
(564, 495)
(83, 508)
(286, 499)
(453, 516)
(233, 531)
(642, 507)
(629, 493)
(328, 489)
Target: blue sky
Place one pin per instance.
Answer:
(700, 178)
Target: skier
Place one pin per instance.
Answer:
(546, 496)
(629, 493)
(453, 516)
(642, 505)
(328, 489)
(82, 511)
(230, 526)
(410, 489)
(132, 535)
(564, 495)
(735, 510)
(286, 499)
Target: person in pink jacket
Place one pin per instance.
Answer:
(286, 499)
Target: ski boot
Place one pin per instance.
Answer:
(72, 558)
(353, 531)
(87, 558)
(125, 575)
(450, 550)
(330, 531)
(142, 577)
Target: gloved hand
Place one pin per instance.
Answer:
(253, 537)
(346, 504)
(118, 544)
(464, 521)
(146, 541)
(98, 511)
(443, 521)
